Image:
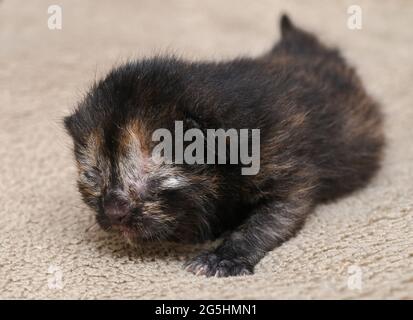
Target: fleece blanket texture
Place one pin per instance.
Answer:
(358, 247)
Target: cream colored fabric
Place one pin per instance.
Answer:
(45, 250)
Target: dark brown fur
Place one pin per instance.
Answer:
(321, 138)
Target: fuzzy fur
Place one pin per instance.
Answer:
(321, 138)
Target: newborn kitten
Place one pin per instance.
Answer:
(320, 132)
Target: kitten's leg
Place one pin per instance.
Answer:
(268, 227)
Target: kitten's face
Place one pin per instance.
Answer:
(130, 190)
(135, 193)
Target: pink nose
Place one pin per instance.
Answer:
(116, 208)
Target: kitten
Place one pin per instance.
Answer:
(320, 132)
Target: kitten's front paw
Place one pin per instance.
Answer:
(210, 264)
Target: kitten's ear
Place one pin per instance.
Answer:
(68, 123)
(73, 127)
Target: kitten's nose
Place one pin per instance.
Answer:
(116, 208)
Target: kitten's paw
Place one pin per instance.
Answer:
(210, 265)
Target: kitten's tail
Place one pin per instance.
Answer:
(295, 40)
(286, 25)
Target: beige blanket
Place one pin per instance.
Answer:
(359, 247)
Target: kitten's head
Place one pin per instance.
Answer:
(129, 189)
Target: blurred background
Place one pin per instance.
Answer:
(44, 248)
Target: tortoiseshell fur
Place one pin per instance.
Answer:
(321, 138)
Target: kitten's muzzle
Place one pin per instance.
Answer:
(116, 209)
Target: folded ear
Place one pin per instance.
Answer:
(74, 127)
(68, 123)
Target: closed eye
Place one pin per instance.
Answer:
(91, 177)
